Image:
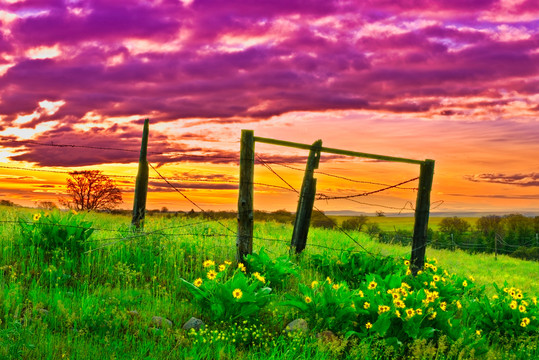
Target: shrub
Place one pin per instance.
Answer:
(526, 253)
(56, 230)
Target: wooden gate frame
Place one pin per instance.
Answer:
(244, 241)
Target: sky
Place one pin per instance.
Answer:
(453, 81)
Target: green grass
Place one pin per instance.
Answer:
(88, 298)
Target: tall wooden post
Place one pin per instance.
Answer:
(141, 187)
(244, 241)
(306, 200)
(422, 209)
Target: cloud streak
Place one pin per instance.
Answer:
(525, 180)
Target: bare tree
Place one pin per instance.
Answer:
(91, 190)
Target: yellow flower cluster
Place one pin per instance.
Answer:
(383, 309)
(525, 322)
(431, 296)
(515, 293)
(259, 277)
(430, 266)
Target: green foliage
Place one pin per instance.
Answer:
(14, 340)
(320, 220)
(354, 267)
(56, 230)
(526, 253)
(276, 271)
(226, 295)
(100, 304)
(326, 304)
(454, 225)
(355, 223)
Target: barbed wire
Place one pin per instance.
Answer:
(340, 177)
(326, 197)
(187, 198)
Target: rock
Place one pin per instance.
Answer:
(158, 322)
(193, 323)
(327, 336)
(298, 325)
(133, 313)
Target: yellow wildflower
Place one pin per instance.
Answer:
(522, 308)
(464, 283)
(478, 332)
(360, 293)
(237, 293)
(314, 284)
(383, 309)
(197, 282)
(410, 313)
(336, 286)
(308, 299)
(459, 305)
(368, 325)
(419, 311)
(211, 274)
(242, 267)
(37, 217)
(407, 262)
(443, 305)
(372, 285)
(366, 305)
(432, 316)
(397, 313)
(436, 278)
(513, 305)
(222, 267)
(208, 263)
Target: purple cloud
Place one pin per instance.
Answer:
(531, 179)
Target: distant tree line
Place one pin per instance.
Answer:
(515, 235)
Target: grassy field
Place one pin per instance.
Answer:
(103, 302)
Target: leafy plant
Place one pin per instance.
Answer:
(222, 296)
(326, 305)
(276, 271)
(56, 230)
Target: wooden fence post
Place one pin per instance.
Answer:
(141, 187)
(306, 200)
(422, 209)
(244, 241)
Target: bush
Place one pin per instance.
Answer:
(526, 253)
(56, 230)
(355, 223)
(320, 220)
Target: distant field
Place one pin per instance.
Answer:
(388, 223)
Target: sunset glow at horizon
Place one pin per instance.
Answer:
(456, 82)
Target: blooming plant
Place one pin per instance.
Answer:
(326, 304)
(276, 271)
(229, 295)
(56, 230)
